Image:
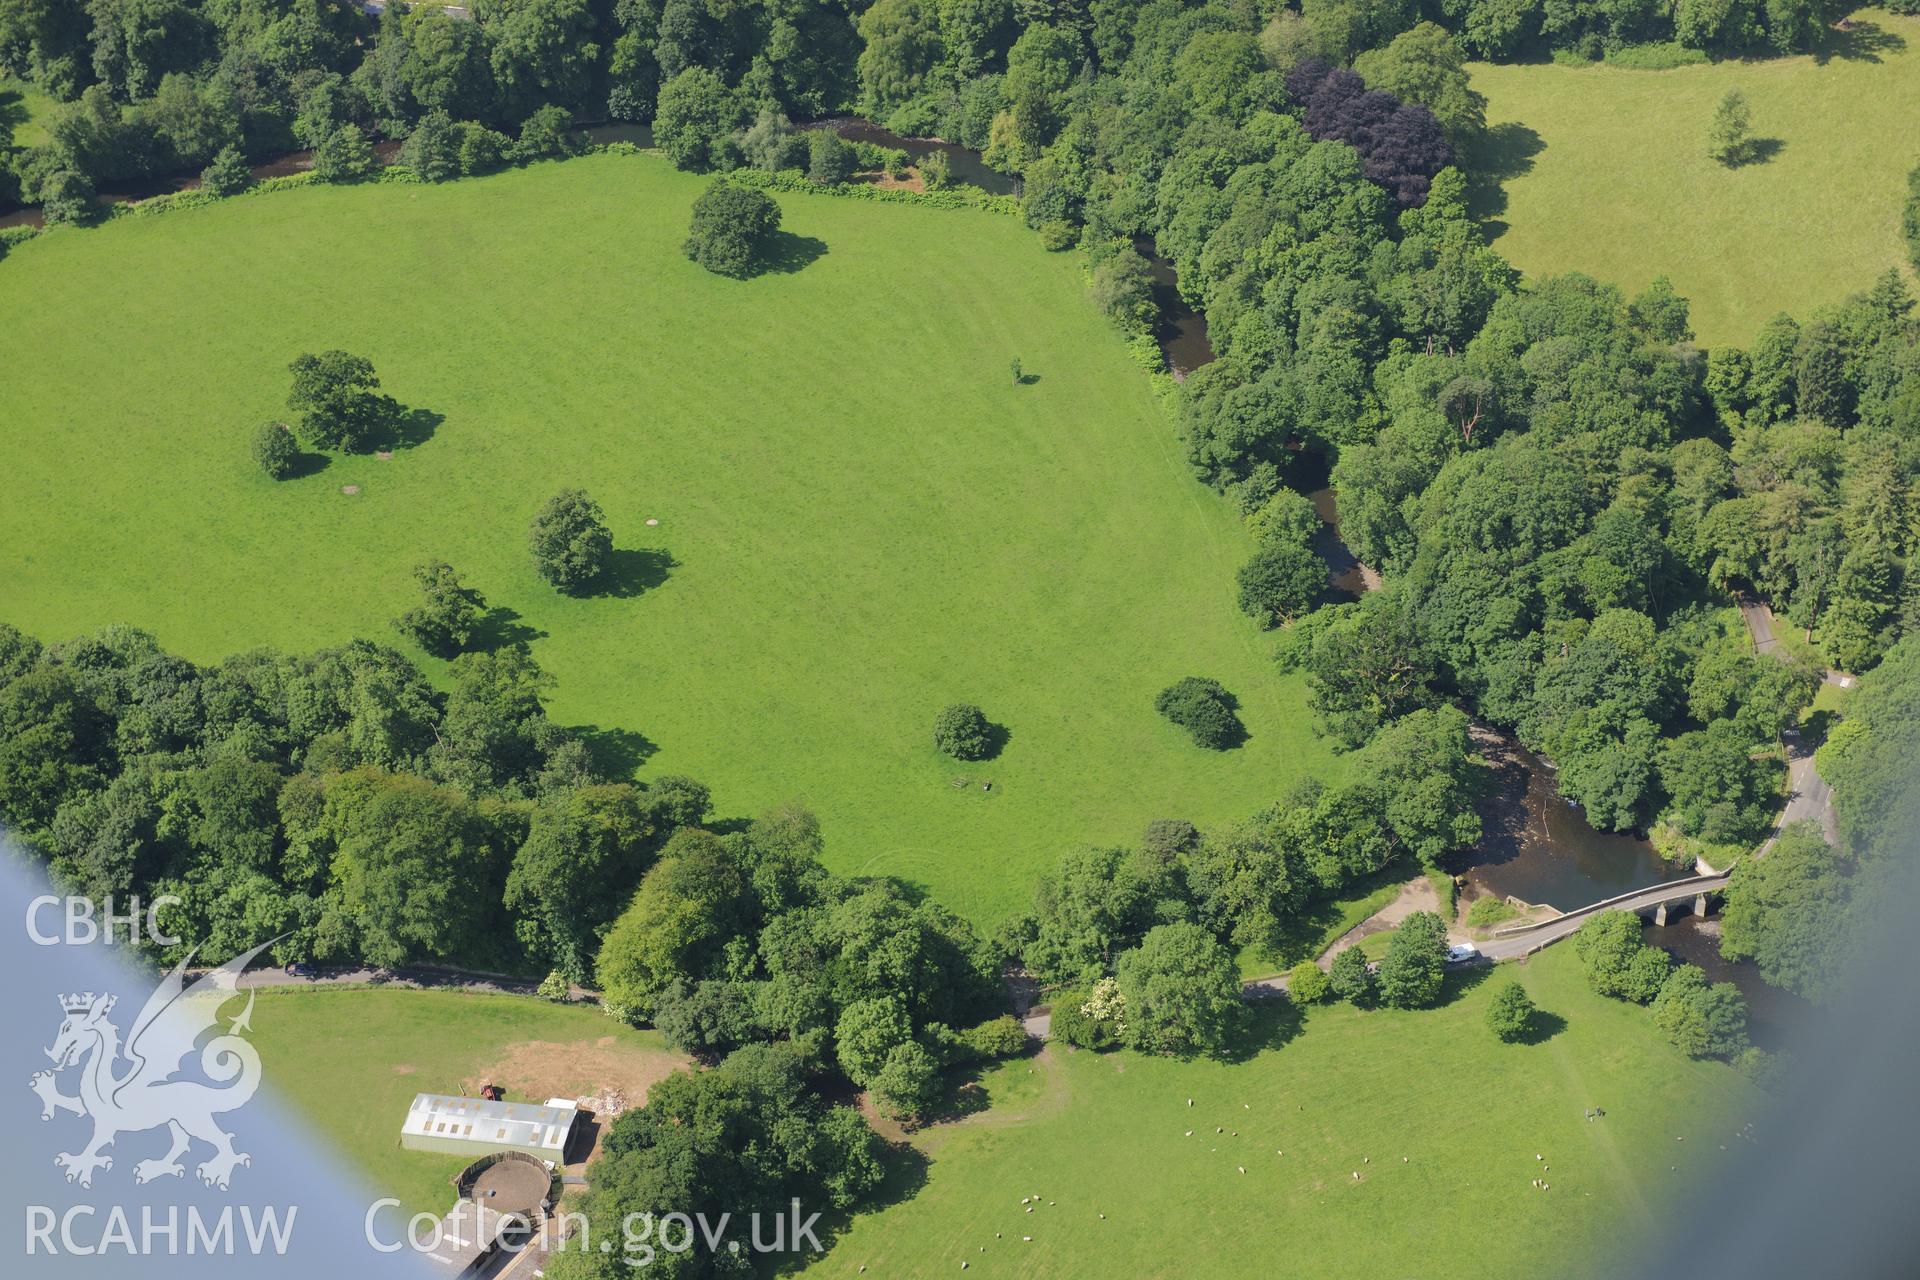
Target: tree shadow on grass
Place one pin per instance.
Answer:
(1818, 725)
(1236, 735)
(634, 571)
(1761, 150)
(1857, 41)
(998, 736)
(499, 628)
(13, 109)
(785, 253)
(1542, 1027)
(1265, 1024)
(616, 753)
(414, 427)
(1503, 153)
(308, 464)
(1459, 980)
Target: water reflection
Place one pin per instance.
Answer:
(1182, 331)
(1539, 847)
(1773, 1015)
(963, 163)
(1344, 571)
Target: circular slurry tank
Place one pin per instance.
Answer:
(508, 1182)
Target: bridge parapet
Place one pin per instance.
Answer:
(1657, 895)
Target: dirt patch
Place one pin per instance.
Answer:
(1415, 895)
(536, 1070)
(605, 1076)
(404, 1068)
(912, 182)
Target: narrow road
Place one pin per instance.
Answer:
(1759, 620)
(1809, 797)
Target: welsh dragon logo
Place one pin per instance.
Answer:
(137, 1086)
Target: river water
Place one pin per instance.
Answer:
(1540, 848)
(1773, 1015)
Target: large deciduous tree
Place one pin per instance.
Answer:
(571, 544)
(1182, 991)
(731, 227)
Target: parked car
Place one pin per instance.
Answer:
(1461, 952)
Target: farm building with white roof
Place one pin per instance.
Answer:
(473, 1126)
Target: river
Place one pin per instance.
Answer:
(1773, 1016)
(1539, 846)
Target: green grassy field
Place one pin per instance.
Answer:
(860, 518)
(315, 1053)
(1607, 173)
(1105, 1134)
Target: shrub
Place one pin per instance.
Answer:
(1204, 709)
(962, 732)
(1510, 1016)
(1122, 287)
(1487, 912)
(1000, 1037)
(344, 155)
(1910, 218)
(66, 198)
(772, 144)
(1059, 235)
(730, 225)
(547, 134)
(570, 542)
(482, 150)
(1658, 56)
(432, 150)
(1349, 977)
(1167, 836)
(936, 170)
(554, 987)
(275, 449)
(226, 174)
(1072, 1024)
(830, 157)
(1307, 983)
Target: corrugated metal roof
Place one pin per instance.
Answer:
(494, 1124)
